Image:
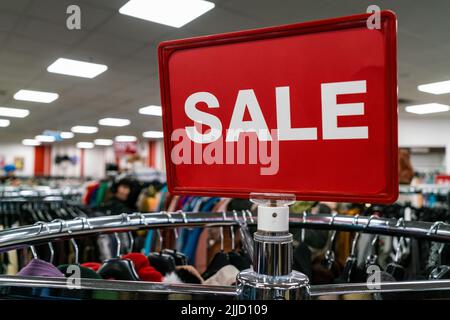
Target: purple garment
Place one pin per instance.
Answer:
(40, 268)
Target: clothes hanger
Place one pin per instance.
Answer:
(117, 268)
(350, 271)
(329, 257)
(46, 212)
(50, 244)
(220, 260)
(164, 263)
(394, 268)
(180, 258)
(372, 257)
(440, 271)
(240, 261)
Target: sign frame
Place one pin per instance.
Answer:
(167, 48)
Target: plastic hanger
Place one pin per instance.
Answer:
(440, 271)
(329, 257)
(50, 245)
(164, 263)
(240, 261)
(220, 260)
(351, 264)
(372, 258)
(180, 258)
(394, 268)
(117, 268)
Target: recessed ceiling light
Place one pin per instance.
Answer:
(44, 138)
(13, 112)
(153, 134)
(427, 108)
(435, 87)
(126, 139)
(84, 129)
(30, 142)
(36, 96)
(4, 123)
(114, 122)
(103, 142)
(174, 13)
(76, 68)
(85, 145)
(66, 135)
(151, 110)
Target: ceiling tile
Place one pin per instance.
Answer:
(56, 12)
(108, 45)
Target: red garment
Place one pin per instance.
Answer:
(143, 268)
(92, 265)
(150, 274)
(140, 261)
(89, 191)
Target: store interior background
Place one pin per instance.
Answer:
(33, 34)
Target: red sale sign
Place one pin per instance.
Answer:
(308, 109)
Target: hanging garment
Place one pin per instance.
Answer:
(92, 265)
(188, 274)
(191, 245)
(40, 268)
(226, 276)
(85, 273)
(143, 268)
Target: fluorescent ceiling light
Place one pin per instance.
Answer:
(126, 139)
(114, 122)
(85, 145)
(36, 96)
(76, 68)
(4, 123)
(44, 138)
(174, 13)
(103, 142)
(153, 134)
(151, 110)
(66, 135)
(30, 142)
(13, 112)
(427, 108)
(84, 129)
(435, 87)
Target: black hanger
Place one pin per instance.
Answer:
(117, 268)
(350, 273)
(220, 260)
(372, 258)
(329, 258)
(439, 271)
(180, 258)
(33, 214)
(394, 268)
(162, 262)
(238, 259)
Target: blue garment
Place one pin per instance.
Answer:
(184, 233)
(93, 198)
(190, 247)
(148, 239)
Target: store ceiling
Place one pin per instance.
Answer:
(33, 34)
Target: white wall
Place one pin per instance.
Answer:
(94, 163)
(423, 132)
(10, 151)
(160, 163)
(428, 162)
